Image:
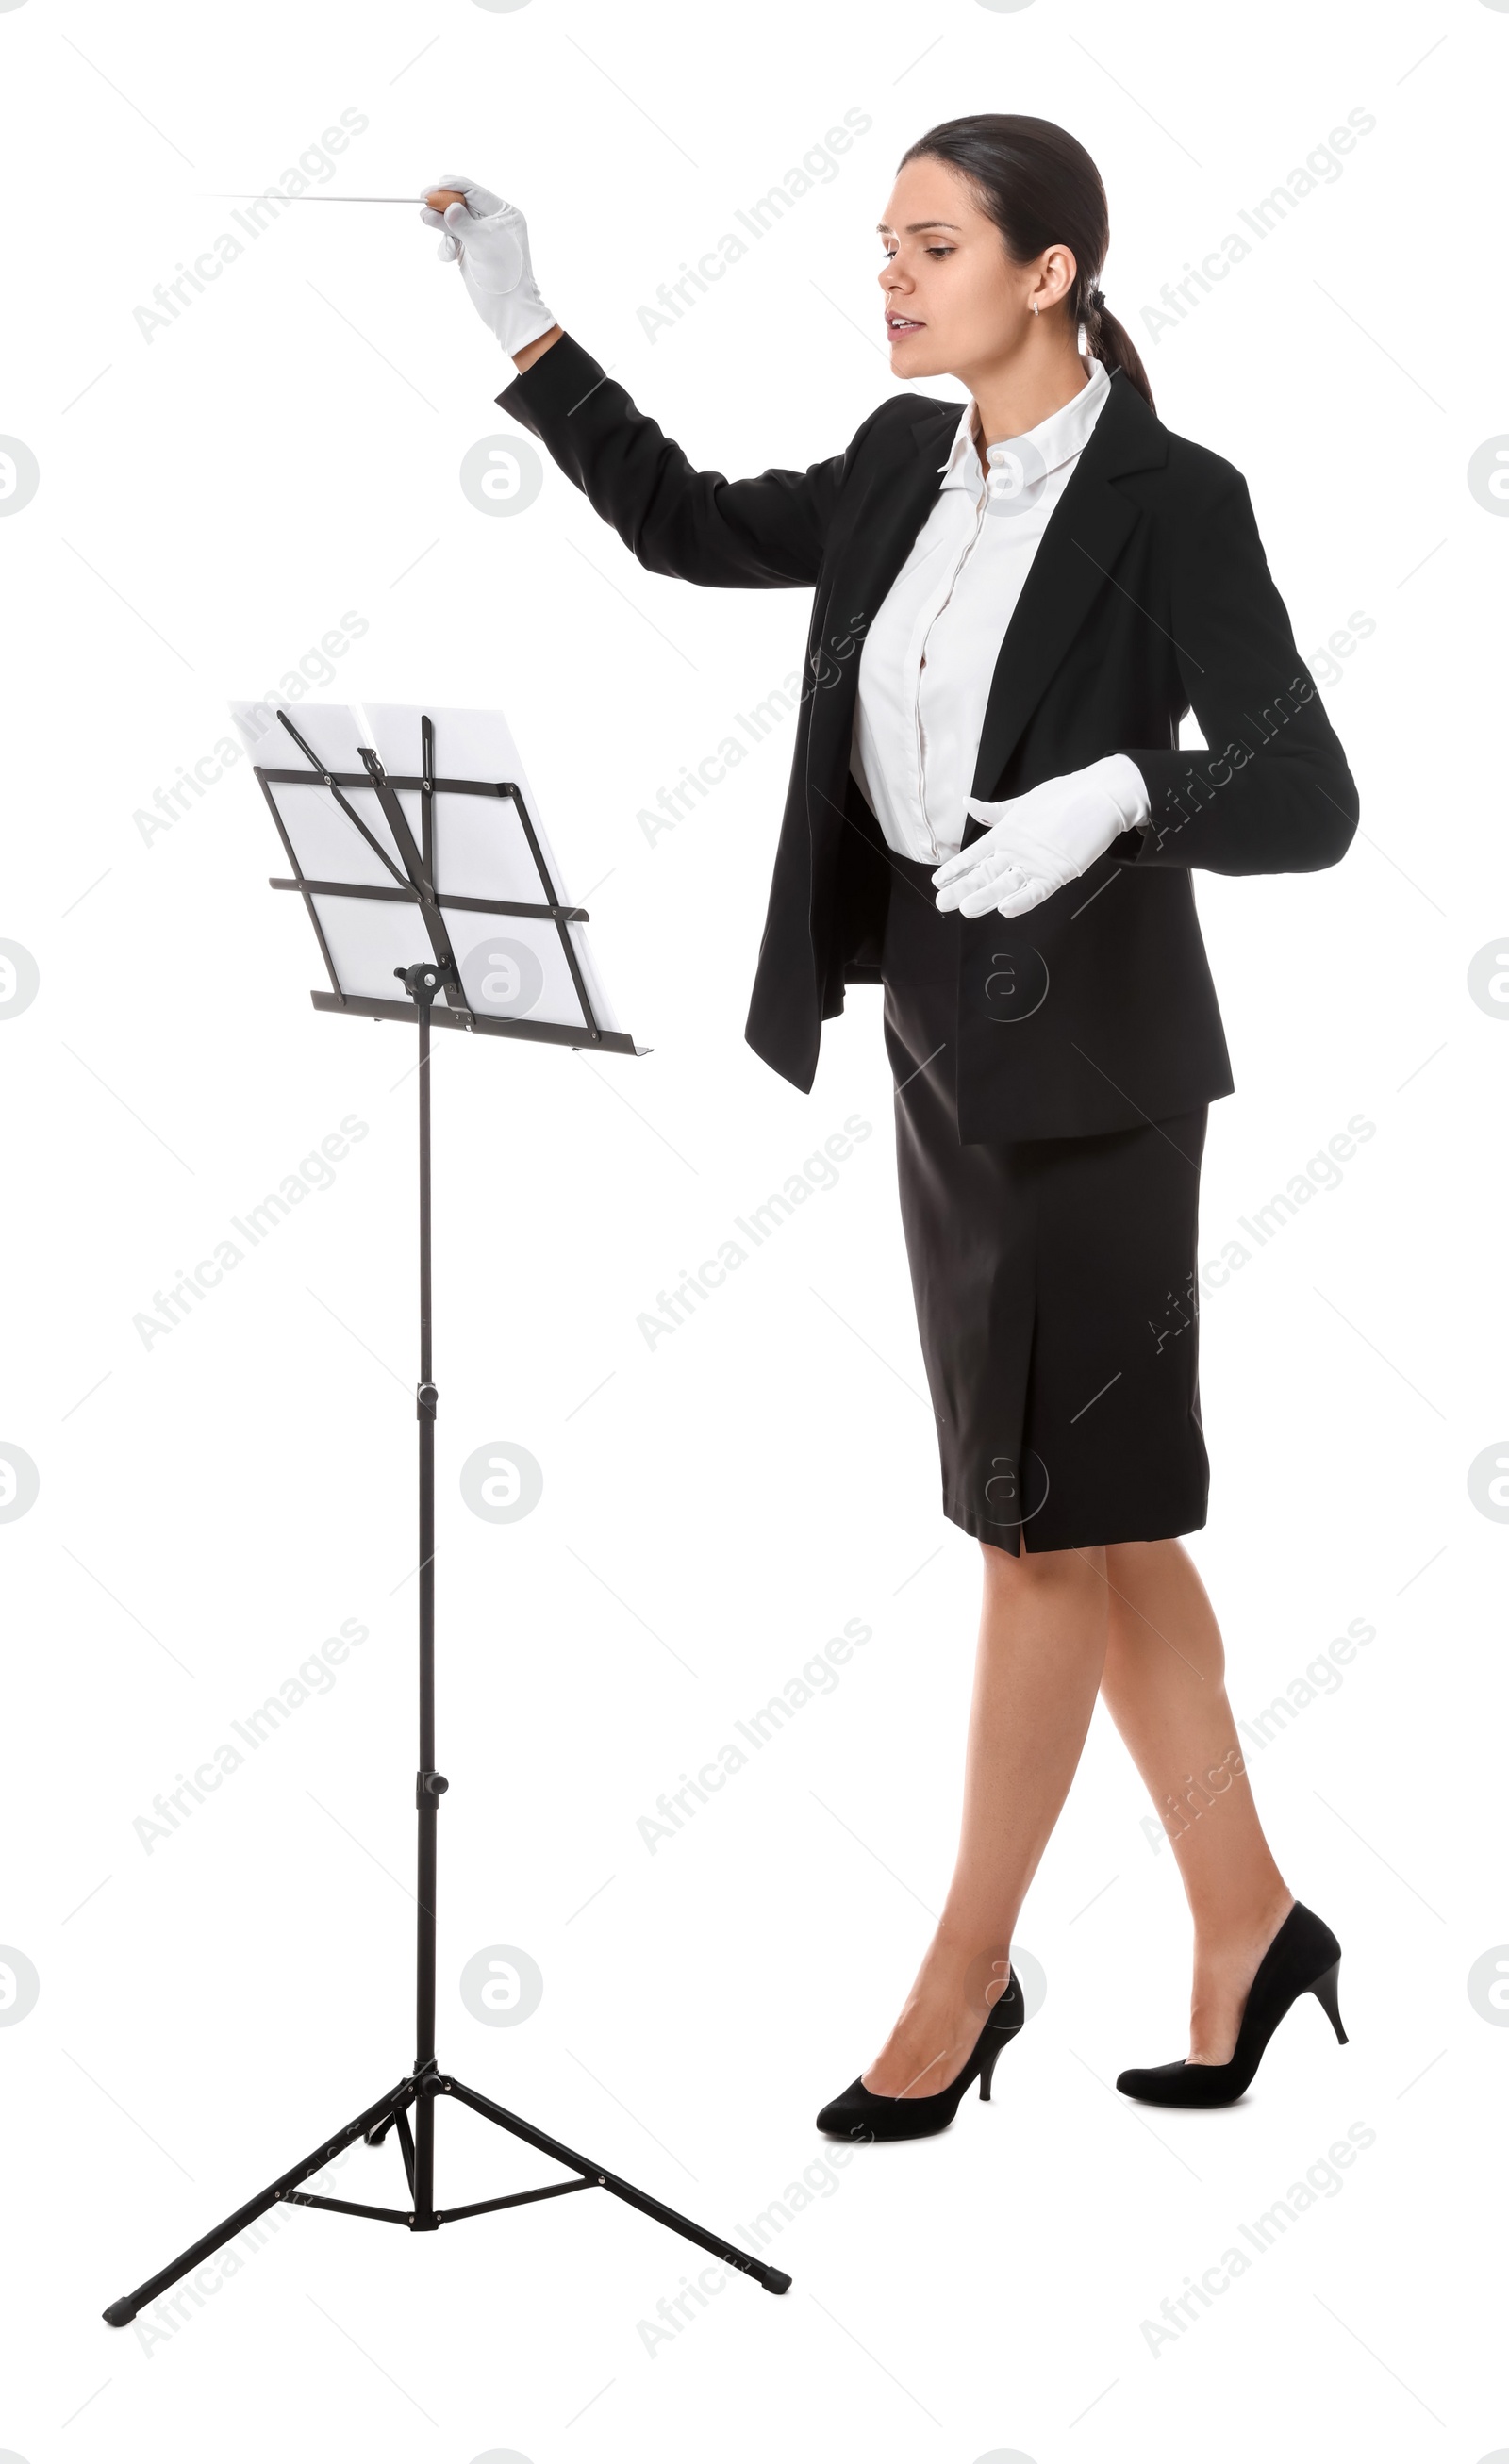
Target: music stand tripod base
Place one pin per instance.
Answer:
(420, 2091)
(391, 2113)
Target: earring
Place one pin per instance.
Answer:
(1034, 307)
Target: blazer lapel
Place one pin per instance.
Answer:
(1075, 557)
(901, 494)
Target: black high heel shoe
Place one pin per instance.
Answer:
(1303, 1957)
(858, 2114)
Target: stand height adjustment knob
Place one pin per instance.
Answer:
(429, 1784)
(426, 1397)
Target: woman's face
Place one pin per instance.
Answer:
(953, 299)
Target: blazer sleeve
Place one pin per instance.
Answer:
(1273, 792)
(765, 533)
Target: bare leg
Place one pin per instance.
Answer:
(1165, 1686)
(1043, 1626)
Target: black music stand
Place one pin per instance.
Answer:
(426, 981)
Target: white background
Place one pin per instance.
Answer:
(213, 502)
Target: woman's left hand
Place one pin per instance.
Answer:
(1039, 843)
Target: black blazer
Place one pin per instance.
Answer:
(1149, 596)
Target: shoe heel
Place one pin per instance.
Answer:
(1324, 1990)
(988, 2058)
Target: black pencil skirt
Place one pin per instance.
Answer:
(1056, 1281)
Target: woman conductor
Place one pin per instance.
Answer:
(990, 815)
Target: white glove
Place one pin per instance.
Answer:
(1037, 843)
(492, 242)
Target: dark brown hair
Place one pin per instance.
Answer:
(1038, 185)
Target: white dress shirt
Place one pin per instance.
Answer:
(929, 656)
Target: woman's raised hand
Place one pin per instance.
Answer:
(489, 240)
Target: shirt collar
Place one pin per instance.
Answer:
(1057, 439)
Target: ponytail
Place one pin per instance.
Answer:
(1109, 341)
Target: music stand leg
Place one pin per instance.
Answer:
(122, 2313)
(771, 2277)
